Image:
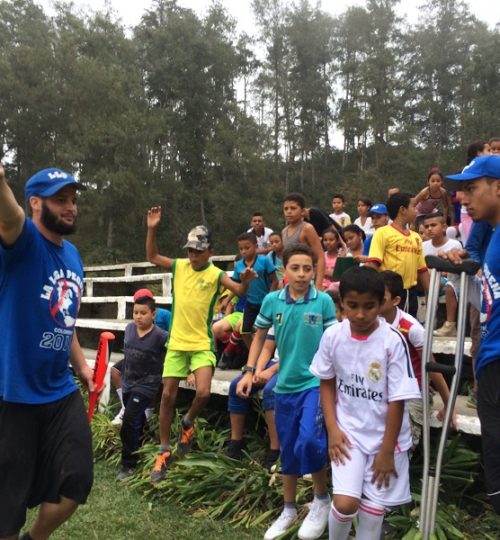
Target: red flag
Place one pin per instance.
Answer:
(100, 368)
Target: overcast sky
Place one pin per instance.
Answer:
(130, 11)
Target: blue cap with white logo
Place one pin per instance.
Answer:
(483, 166)
(48, 182)
(378, 208)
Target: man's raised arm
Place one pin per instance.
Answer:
(11, 214)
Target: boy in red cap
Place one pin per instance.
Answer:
(144, 348)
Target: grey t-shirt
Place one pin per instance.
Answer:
(143, 360)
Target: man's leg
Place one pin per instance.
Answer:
(488, 408)
(51, 516)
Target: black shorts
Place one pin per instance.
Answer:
(488, 410)
(45, 453)
(249, 315)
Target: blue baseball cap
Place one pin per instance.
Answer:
(378, 208)
(48, 182)
(480, 167)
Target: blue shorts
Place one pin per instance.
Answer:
(238, 405)
(301, 431)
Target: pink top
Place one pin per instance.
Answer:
(329, 265)
(427, 206)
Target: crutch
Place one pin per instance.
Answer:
(431, 474)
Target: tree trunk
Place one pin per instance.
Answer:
(110, 233)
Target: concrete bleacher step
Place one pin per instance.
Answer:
(467, 419)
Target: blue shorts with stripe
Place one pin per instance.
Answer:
(301, 431)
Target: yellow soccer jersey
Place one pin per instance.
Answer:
(195, 293)
(399, 251)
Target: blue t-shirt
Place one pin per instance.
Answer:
(260, 286)
(478, 240)
(162, 318)
(41, 286)
(489, 349)
(298, 327)
(366, 245)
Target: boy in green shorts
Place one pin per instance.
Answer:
(196, 285)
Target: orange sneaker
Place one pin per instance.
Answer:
(185, 439)
(160, 469)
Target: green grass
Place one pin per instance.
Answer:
(116, 511)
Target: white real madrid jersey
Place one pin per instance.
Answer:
(370, 372)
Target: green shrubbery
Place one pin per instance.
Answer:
(207, 483)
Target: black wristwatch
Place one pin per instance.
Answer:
(251, 369)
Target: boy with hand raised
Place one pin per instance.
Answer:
(196, 285)
(299, 315)
(366, 376)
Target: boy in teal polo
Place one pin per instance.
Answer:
(299, 314)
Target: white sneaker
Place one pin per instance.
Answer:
(118, 419)
(316, 521)
(285, 520)
(449, 329)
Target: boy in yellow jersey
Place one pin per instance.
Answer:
(196, 286)
(395, 247)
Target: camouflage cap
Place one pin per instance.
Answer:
(199, 238)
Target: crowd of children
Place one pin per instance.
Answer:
(339, 302)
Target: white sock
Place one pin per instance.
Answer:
(120, 395)
(371, 518)
(339, 524)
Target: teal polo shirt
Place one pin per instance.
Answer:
(298, 327)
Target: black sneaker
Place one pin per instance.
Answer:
(270, 459)
(234, 449)
(125, 472)
(225, 360)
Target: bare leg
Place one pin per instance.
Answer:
(289, 488)
(51, 516)
(274, 443)
(116, 378)
(451, 304)
(319, 482)
(345, 504)
(221, 328)
(203, 378)
(167, 408)
(237, 426)
(13, 537)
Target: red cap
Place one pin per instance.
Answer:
(141, 293)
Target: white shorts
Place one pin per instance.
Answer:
(354, 479)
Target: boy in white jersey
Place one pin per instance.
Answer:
(366, 377)
(438, 242)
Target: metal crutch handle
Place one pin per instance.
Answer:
(467, 266)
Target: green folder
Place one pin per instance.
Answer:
(342, 264)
